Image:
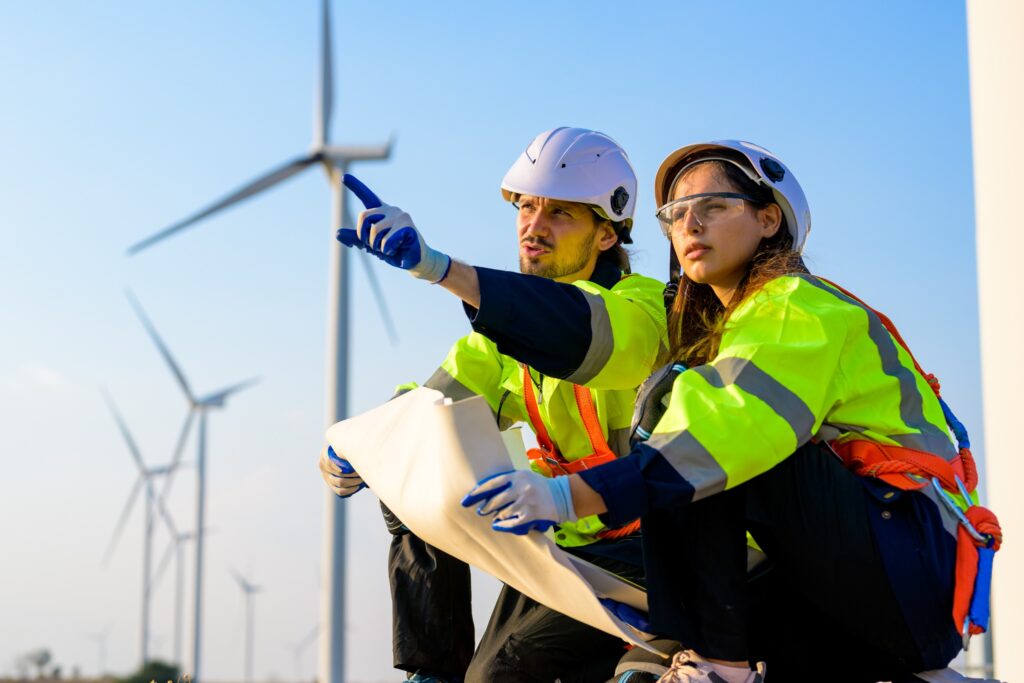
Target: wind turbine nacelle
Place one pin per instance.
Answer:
(341, 155)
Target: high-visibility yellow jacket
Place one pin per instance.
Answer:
(798, 359)
(605, 333)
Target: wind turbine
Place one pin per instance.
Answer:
(335, 161)
(199, 406)
(175, 548)
(299, 647)
(249, 589)
(144, 480)
(101, 643)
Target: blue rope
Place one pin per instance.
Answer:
(957, 427)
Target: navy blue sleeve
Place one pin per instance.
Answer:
(636, 483)
(537, 321)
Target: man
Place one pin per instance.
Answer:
(563, 345)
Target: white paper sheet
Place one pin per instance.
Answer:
(421, 453)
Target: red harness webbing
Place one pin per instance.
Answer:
(550, 462)
(892, 463)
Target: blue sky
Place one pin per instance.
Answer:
(118, 118)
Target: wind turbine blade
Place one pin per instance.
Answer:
(161, 509)
(241, 581)
(123, 519)
(251, 188)
(165, 561)
(325, 91)
(217, 398)
(179, 449)
(164, 351)
(123, 428)
(378, 294)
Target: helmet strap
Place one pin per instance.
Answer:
(672, 286)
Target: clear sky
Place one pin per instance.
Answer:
(118, 118)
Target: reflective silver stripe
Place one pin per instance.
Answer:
(832, 431)
(928, 443)
(828, 433)
(747, 376)
(911, 407)
(694, 463)
(618, 441)
(602, 343)
(859, 429)
(443, 381)
(919, 442)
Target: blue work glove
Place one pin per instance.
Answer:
(388, 233)
(522, 500)
(630, 615)
(338, 474)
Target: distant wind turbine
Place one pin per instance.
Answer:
(299, 647)
(335, 161)
(101, 643)
(249, 589)
(198, 405)
(175, 549)
(144, 481)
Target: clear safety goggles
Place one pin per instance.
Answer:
(707, 209)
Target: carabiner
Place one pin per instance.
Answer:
(955, 509)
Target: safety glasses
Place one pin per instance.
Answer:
(707, 209)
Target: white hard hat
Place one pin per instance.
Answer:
(577, 165)
(763, 167)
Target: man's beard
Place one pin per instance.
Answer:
(556, 268)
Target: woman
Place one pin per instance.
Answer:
(792, 386)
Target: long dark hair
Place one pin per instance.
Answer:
(697, 318)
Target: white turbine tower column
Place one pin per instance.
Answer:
(332, 590)
(175, 548)
(175, 551)
(248, 589)
(335, 160)
(179, 596)
(197, 605)
(994, 30)
(101, 642)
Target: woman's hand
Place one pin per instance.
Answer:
(338, 474)
(522, 500)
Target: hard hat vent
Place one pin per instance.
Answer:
(772, 169)
(619, 200)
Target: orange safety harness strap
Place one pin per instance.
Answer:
(550, 462)
(978, 533)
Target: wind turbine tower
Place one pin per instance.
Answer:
(335, 161)
(248, 589)
(101, 642)
(176, 549)
(994, 28)
(299, 648)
